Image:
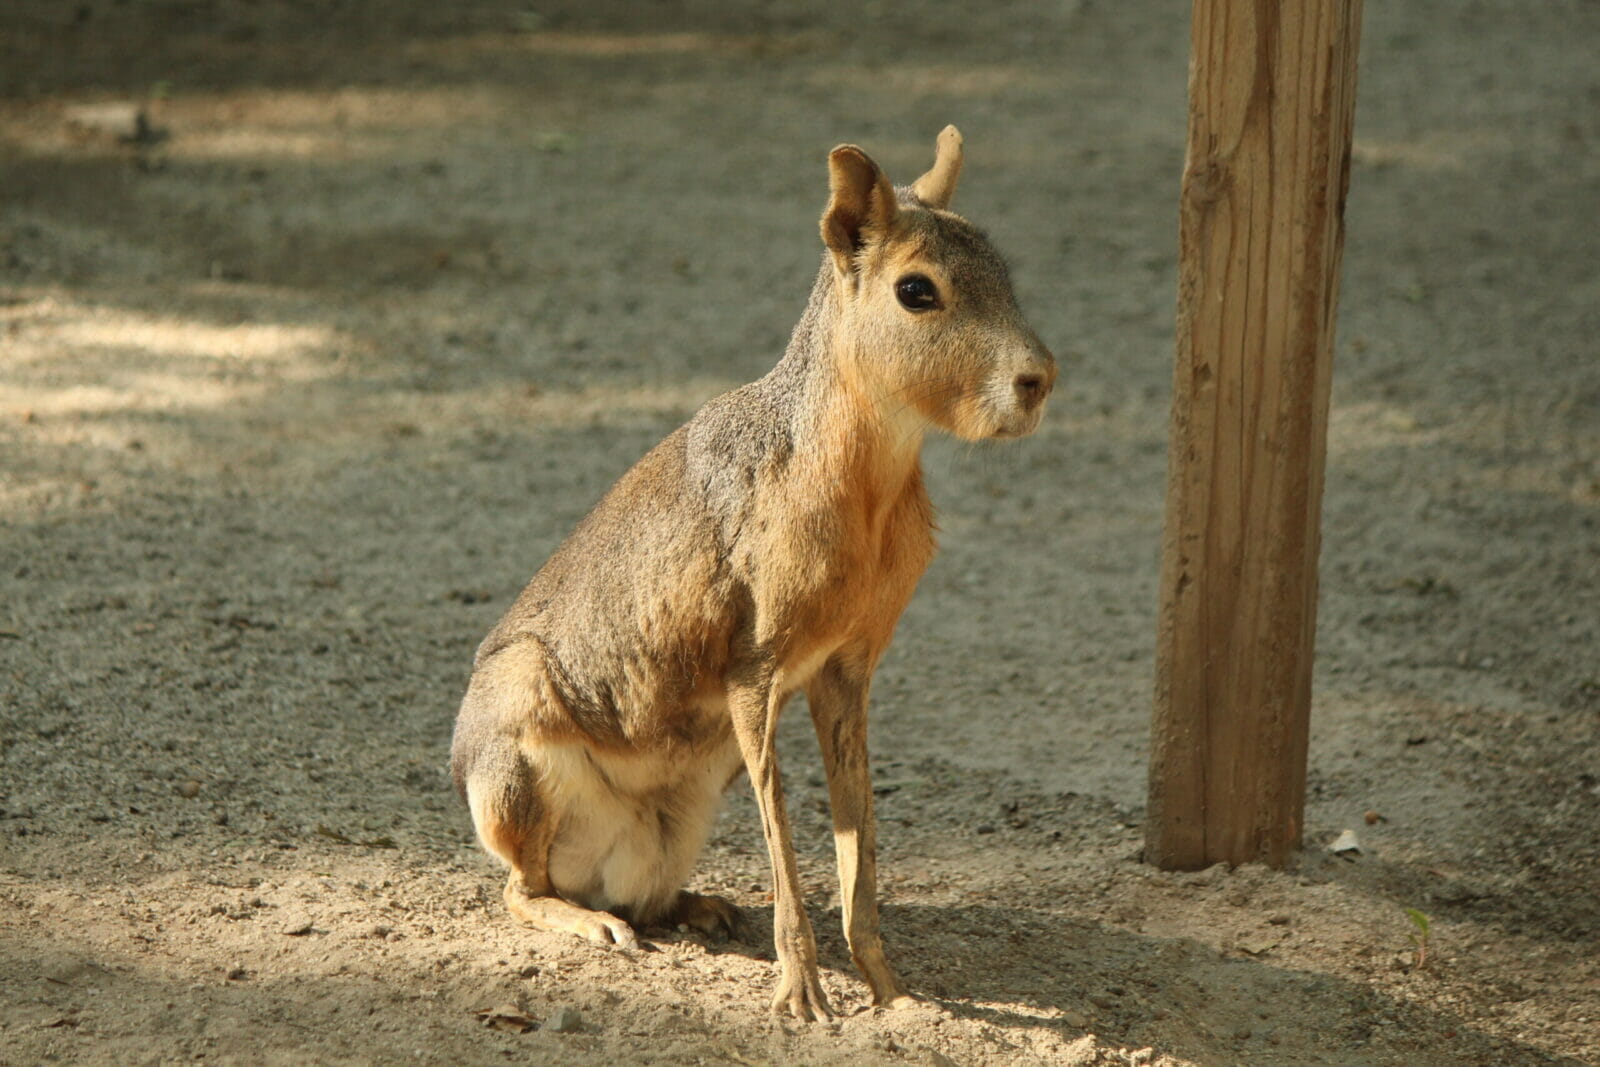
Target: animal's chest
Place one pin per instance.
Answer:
(834, 577)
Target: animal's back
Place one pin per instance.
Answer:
(634, 613)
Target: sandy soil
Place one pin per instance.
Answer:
(298, 389)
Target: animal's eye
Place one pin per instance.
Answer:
(916, 292)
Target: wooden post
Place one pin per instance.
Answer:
(1261, 230)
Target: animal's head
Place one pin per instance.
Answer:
(929, 324)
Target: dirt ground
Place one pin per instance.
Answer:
(301, 383)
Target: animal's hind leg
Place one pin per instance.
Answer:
(517, 827)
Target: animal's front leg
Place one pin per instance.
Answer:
(755, 710)
(838, 699)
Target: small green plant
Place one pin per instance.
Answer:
(1419, 938)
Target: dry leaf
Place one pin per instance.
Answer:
(506, 1017)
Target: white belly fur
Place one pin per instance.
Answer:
(631, 826)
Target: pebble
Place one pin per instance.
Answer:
(190, 788)
(564, 1021)
(1346, 844)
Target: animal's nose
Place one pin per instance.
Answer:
(1032, 389)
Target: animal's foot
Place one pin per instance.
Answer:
(712, 916)
(603, 928)
(887, 992)
(800, 995)
(897, 1001)
(553, 913)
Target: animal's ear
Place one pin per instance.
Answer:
(936, 187)
(861, 205)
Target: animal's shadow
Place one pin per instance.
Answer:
(1021, 968)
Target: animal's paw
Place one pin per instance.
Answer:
(605, 929)
(552, 913)
(800, 995)
(897, 1001)
(712, 916)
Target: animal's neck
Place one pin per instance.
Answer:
(866, 440)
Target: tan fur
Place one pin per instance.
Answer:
(765, 548)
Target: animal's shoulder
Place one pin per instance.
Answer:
(673, 513)
(733, 440)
